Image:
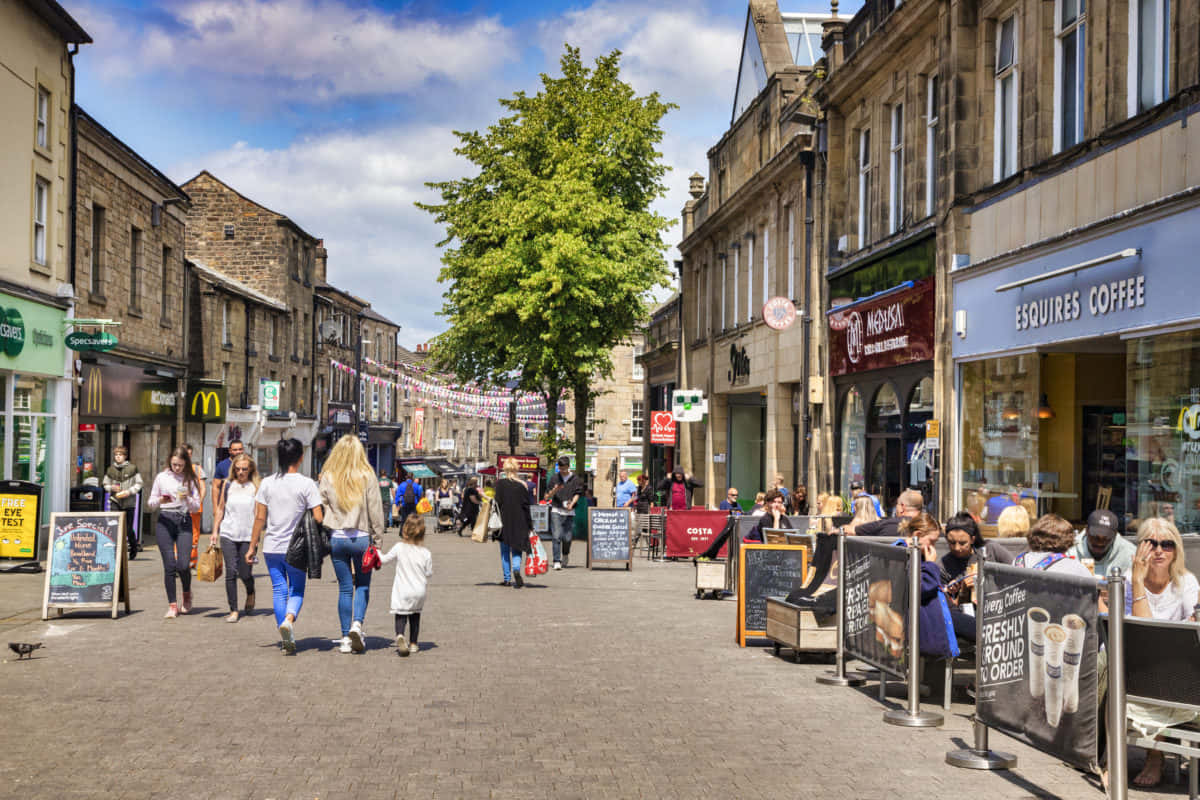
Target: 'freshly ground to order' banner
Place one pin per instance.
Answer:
(1037, 660)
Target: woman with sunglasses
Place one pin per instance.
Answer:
(234, 520)
(1162, 588)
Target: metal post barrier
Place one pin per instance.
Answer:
(839, 676)
(980, 756)
(1118, 772)
(913, 716)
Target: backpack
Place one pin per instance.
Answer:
(410, 496)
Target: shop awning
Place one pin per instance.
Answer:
(441, 466)
(418, 469)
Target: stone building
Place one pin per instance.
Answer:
(129, 246)
(380, 403)
(432, 433)
(750, 281)
(337, 315)
(660, 365)
(268, 372)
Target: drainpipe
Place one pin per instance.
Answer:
(246, 357)
(73, 168)
(805, 417)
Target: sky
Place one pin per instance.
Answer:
(337, 112)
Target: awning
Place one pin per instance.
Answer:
(441, 466)
(418, 469)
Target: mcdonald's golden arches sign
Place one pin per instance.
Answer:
(205, 403)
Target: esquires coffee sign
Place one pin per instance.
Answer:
(116, 391)
(886, 332)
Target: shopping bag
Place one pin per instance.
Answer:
(209, 565)
(531, 561)
(424, 507)
(543, 563)
(480, 532)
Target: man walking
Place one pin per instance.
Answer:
(221, 473)
(626, 491)
(387, 490)
(408, 494)
(564, 492)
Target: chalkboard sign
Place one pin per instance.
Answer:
(766, 569)
(609, 537)
(541, 518)
(86, 563)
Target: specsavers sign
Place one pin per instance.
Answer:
(31, 336)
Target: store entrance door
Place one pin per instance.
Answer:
(747, 444)
(884, 471)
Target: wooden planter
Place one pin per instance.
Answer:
(797, 629)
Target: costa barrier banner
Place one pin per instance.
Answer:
(876, 611)
(1037, 660)
(689, 533)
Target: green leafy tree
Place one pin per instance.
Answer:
(551, 249)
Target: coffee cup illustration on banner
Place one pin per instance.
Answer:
(1055, 637)
(1038, 619)
(1076, 629)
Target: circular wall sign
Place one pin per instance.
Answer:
(12, 331)
(779, 313)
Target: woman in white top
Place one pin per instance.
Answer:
(279, 505)
(1163, 589)
(175, 494)
(233, 520)
(354, 513)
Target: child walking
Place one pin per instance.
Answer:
(414, 567)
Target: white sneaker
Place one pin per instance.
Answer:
(356, 637)
(402, 645)
(344, 645)
(558, 565)
(413, 647)
(287, 637)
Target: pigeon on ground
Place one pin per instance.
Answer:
(23, 649)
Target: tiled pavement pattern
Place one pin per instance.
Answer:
(585, 684)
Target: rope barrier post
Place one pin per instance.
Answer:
(913, 716)
(839, 676)
(1118, 768)
(981, 756)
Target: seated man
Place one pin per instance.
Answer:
(908, 506)
(730, 503)
(1101, 542)
(774, 516)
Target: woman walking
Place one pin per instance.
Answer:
(512, 500)
(175, 495)
(354, 513)
(471, 501)
(233, 519)
(278, 508)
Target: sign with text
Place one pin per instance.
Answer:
(662, 428)
(689, 533)
(1037, 660)
(876, 613)
(116, 392)
(524, 463)
(418, 431)
(766, 570)
(610, 539)
(887, 331)
(540, 516)
(19, 506)
(86, 564)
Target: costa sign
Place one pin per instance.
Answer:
(662, 428)
(779, 313)
(894, 329)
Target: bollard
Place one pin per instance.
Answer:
(839, 676)
(980, 756)
(1118, 769)
(913, 716)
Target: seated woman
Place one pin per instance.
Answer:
(1013, 523)
(1049, 540)
(774, 516)
(864, 511)
(760, 505)
(960, 566)
(935, 627)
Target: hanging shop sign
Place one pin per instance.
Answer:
(205, 403)
(120, 392)
(779, 313)
(418, 432)
(268, 394)
(91, 341)
(886, 331)
(662, 428)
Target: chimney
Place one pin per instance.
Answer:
(696, 185)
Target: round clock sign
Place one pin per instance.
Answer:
(779, 313)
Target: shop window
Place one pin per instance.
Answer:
(853, 445)
(918, 412)
(999, 428)
(885, 411)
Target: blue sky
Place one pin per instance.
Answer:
(336, 112)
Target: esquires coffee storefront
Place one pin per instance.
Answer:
(1079, 374)
(137, 407)
(34, 444)
(881, 348)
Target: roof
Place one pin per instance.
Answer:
(772, 41)
(57, 18)
(130, 152)
(407, 356)
(321, 286)
(372, 314)
(223, 281)
(283, 217)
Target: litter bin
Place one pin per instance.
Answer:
(86, 498)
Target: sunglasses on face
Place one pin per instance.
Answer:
(1166, 545)
(241, 469)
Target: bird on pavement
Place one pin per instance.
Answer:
(23, 649)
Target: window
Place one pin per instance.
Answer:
(766, 265)
(1005, 128)
(791, 252)
(308, 265)
(97, 277)
(737, 249)
(135, 269)
(1069, 72)
(896, 171)
(638, 373)
(591, 422)
(931, 121)
(166, 279)
(41, 206)
(273, 330)
(228, 230)
(724, 290)
(750, 277)
(226, 338)
(224, 371)
(1149, 51)
(303, 404)
(864, 187)
(296, 332)
(293, 258)
(480, 450)
(637, 424)
(320, 395)
(43, 117)
(699, 306)
(375, 404)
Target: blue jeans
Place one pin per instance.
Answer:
(563, 528)
(354, 585)
(510, 560)
(287, 586)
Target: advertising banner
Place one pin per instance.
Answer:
(418, 431)
(529, 464)
(876, 612)
(689, 533)
(120, 392)
(1037, 660)
(19, 519)
(662, 428)
(894, 329)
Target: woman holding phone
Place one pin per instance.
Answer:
(175, 495)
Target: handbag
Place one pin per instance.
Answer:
(371, 559)
(494, 521)
(210, 565)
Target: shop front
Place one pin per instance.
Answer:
(381, 446)
(1078, 373)
(881, 359)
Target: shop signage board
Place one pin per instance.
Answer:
(779, 313)
(121, 392)
(268, 394)
(876, 611)
(205, 403)
(86, 565)
(20, 504)
(662, 428)
(766, 570)
(91, 341)
(524, 463)
(610, 538)
(31, 337)
(689, 533)
(933, 434)
(1037, 660)
(886, 331)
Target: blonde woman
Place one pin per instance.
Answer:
(233, 520)
(512, 499)
(864, 511)
(353, 511)
(1013, 523)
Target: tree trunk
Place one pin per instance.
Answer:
(583, 397)
(551, 440)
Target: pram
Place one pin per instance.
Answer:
(447, 514)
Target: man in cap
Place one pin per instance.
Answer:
(1099, 541)
(563, 492)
